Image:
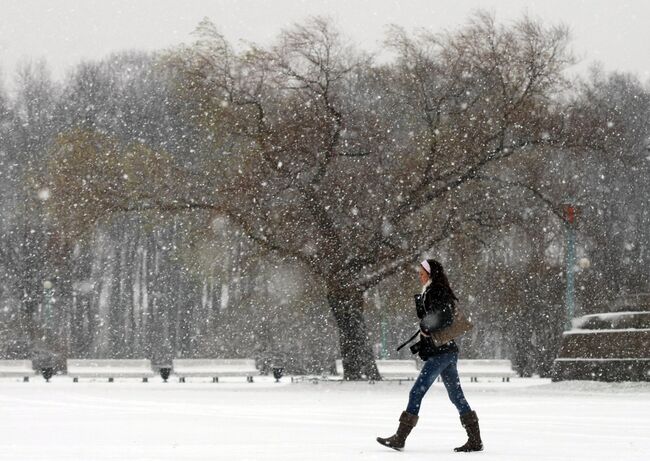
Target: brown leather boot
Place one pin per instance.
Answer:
(470, 423)
(407, 421)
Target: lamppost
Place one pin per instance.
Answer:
(569, 215)
(383, 351)
(48, 291)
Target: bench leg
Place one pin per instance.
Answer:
(25, 379)
(249, 379)
(215, 379)
(75, 380)
(181, 379)
(110, 380)
(145, 380)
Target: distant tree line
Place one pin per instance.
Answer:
(271, 202)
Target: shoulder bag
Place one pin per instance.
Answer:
(460, 325)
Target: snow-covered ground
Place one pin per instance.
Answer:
(527, 419)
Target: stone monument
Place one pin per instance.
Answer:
(610, 346)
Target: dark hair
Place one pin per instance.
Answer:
(439, 279)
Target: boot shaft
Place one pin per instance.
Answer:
(470, 423)
(408, 419)
(407, 422)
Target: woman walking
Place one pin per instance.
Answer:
(435, 309)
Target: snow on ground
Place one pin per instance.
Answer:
(526, 419)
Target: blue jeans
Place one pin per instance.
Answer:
(443, 365)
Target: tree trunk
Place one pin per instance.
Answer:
(347, 307)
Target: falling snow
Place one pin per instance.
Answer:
(272, 201)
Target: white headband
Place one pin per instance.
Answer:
(426, 266)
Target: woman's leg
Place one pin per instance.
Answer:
(430, 371)
(452, 384)
(468, 418)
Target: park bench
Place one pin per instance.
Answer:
(486, 369)
(109, 368)
(16, 368)
(214, 368)
(398, 370)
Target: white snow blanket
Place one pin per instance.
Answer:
(526, 419)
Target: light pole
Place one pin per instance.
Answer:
(48, 291)
(569, 214)
(383, 351)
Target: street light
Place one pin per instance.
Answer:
(48, 291)
(569, 212)
(383, 351)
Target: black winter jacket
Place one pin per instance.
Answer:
(435, 309)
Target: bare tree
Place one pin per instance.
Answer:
(352, 168)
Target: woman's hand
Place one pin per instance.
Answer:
(423, 333)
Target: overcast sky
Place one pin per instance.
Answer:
(614, 32)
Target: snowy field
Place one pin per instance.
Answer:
(527, 419)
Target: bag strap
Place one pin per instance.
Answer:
(409, 340)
